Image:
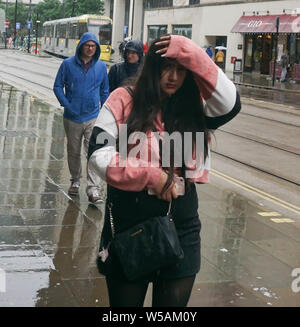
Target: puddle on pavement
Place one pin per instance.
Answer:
(280, 97)
(48, 241)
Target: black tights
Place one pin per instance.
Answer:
(169, 293)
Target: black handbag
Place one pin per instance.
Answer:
(145, 247)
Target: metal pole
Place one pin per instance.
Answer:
(73, 8)
(132, 20)
(36, 32)
(277, 22)
(29, 19)
(5, 41)
(15, 30)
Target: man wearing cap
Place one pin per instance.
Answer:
(133, 58)
(81, 87)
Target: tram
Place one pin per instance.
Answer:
(61, 36)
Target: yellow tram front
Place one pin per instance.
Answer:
(61, 36)
(102, 27)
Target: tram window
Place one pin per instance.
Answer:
(52, 31)
(73, 31)
(46, 30)
(82, 28)
(103, 31)
(105, 35)
(63, 30)
(57, 30)
(68, 30)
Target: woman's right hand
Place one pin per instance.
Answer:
(165, 42)
(169, 193)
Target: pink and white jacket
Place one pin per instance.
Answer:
(221, 104)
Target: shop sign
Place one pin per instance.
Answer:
(255, 23)
(237, 66)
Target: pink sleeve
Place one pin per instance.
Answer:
(196, 60)
(214, 86)
(131, 173)
(131, 178)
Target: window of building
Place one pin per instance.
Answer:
(294, 48)
(194, 2)
(158, 3)
(185, 30)
(155, 31)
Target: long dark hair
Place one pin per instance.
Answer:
(182, 112)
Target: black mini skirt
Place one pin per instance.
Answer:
(130, 208)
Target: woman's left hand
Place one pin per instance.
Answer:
(165, 42)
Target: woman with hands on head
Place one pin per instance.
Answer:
(179, 90)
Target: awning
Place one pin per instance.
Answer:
(266, 24)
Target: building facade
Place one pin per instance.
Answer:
(215, 23)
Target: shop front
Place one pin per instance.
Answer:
(260, 42)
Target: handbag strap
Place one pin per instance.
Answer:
(111, 218)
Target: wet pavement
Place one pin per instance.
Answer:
(260, 87)
(49, 241)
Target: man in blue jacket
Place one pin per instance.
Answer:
(81, 84)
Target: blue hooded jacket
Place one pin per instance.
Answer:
(83, 90)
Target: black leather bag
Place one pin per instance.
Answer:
(147, 246)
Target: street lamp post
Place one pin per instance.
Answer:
(15, 30)
(277, 23)
(29, 24)
(37, 31)
(5, 41)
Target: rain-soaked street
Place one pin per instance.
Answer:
(48, 241)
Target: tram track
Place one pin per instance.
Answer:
(265, 171)
(270, 119)
(249, 138)
(26, 80)
(30, 71)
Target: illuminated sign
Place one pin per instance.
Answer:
(98, 22)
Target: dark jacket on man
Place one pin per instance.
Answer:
(121, 71)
